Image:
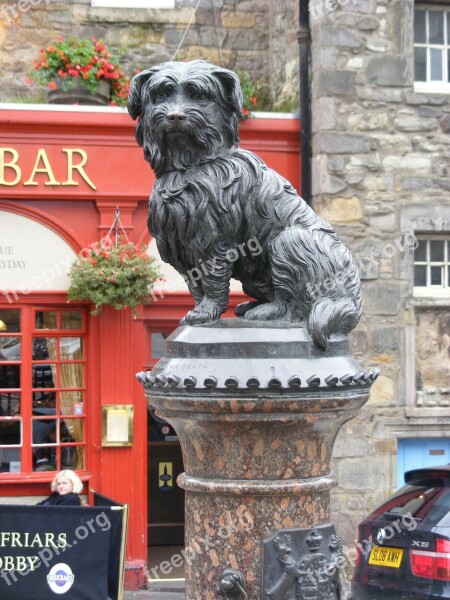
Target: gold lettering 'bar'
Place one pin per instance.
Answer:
(11, 171)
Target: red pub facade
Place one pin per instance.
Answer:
(63, 371)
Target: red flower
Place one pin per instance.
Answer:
(52, 85)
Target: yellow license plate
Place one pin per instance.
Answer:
(386, 557)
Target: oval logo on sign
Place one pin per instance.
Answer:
(60, 579)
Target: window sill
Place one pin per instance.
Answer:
(437, 88)
(36, 478)
(441, 413)
(431, 301)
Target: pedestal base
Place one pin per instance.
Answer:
(257, 410)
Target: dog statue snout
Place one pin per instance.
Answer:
(176, 115)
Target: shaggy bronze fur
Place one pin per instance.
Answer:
(218, 211)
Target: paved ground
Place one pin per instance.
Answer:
(162, 590)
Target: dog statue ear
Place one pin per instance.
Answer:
(232, 88)
(134, 96)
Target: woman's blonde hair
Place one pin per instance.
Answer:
(77, 484)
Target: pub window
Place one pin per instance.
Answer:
(42, 389)
(432, 48)
(432, 266)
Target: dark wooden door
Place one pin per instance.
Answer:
(165, 497)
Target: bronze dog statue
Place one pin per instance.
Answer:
(213, 203)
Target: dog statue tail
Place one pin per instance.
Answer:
(328, 317)
(316, 273)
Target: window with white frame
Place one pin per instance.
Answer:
(133, 3)
(432, 266)
(432, 48)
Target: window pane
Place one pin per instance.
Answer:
(436, 275)
(420, 253)
(448, 56)
(448, 276)
(72, 403)
(46, 319)
(436, 25)
(72, 375)
(436, 250)
(9, 376)
(10, 319)
(44, 431)
(10, 432)
(420, 275)
(72, 457)
(435, 65)
(44, 403)
(9, 404)
(10, 460)
(420, 64)
(420, 34)
(9, 348)
(43, 376)
(44, 458)
(157, 344)
(44, 348)
(72, 319)
(71, 348)
(72, 430)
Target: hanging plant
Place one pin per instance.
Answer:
(113, 272)
(118, 276)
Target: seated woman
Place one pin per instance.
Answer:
(65, 488)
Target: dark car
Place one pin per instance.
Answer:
(404, 545)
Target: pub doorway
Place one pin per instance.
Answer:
(165, 463)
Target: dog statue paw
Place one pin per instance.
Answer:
(218, 210)
(205, 312)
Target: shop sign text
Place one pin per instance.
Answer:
(7, 260)
(12, 173)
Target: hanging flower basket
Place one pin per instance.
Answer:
(108, 274)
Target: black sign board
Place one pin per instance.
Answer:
(60, 552)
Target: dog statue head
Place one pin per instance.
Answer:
(188, 113)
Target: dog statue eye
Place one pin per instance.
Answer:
(162, 94)
(196, 94)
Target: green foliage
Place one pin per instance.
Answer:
(80, 61)
(119, 276)
(257, 95)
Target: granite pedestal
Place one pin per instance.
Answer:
(257, 408)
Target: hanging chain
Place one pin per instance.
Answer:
(117, 225)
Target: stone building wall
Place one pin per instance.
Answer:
(239, 34)
(284, 53)
(381, 176)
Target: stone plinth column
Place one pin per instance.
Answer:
(257, 410)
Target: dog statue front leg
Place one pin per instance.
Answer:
(216, 288)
